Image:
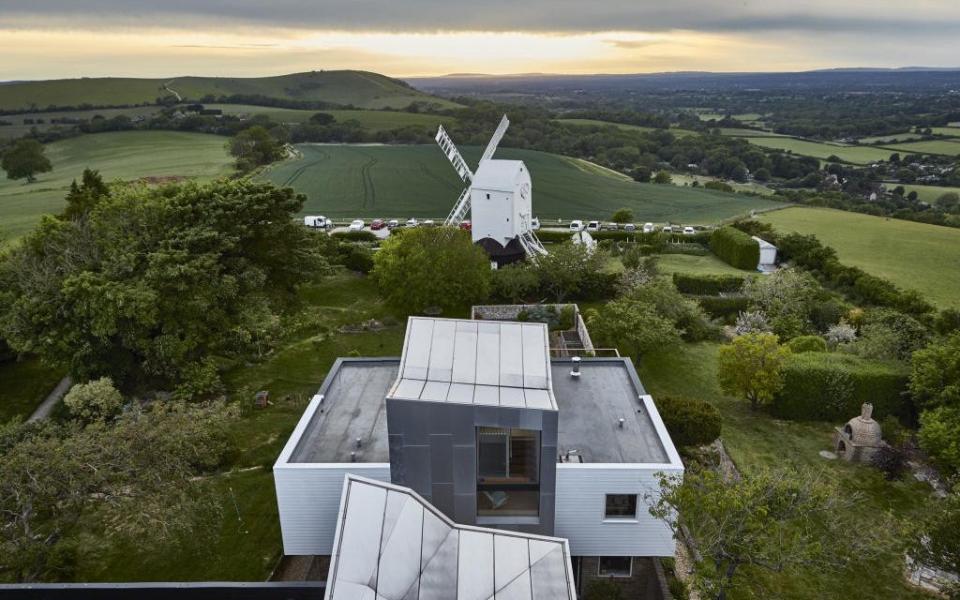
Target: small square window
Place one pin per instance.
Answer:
(620, 506)
(615, 566)
(488, 196)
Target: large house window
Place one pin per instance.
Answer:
(620, 506)
(508, 468)
(615, 566)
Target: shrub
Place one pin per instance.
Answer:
(723, 307)
(841, 333)
(891, 461)
(807, 343)
(889, 335)
(752, 322)
(515, 282)
(735, 248)
(707, 285)
(688, 248)
(691, 422)
(358, 259)
(602, 589)
(831, 387)
(892, 431)
(355, 236)
(97, 400)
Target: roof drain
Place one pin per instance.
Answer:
(575, 373)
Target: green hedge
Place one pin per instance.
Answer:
(807, 343)
(690, 422)
(355, 236)
(735, 248)
(723, 307)
(831, 386)
(707, 285)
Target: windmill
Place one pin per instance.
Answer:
(498, 197)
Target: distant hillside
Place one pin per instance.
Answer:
(357, 88)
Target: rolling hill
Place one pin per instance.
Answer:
(360, 89)
(403, 181)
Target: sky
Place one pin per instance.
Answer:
(47, 39)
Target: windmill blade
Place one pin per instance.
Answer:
(460, 209)
(495, 140)
(453, 155)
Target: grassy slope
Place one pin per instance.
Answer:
(359, 88)
(949, 147)
(852, 154)
(404, 181)
(912, 255)
(370, 119)
(19, 128)
(121, 155)
(883, 139)
(928, 193)
(23, 385)
(755, 441)
(624, 126)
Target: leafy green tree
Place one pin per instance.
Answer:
(254, 147)
(939, 436)
(772, 520)
(948, 202)
(155, 280)
(431, 268)
(94, 401)
(685, 314)
(787, 298)
(136, 478)
(691, 422)
(751, 367)
(567, 267)
(24, 159)
(515, 283)
(322, 118)
(663, 177)
(632, 326)
(935, 374)
(623, 215)
(82, 198)
(935, 539)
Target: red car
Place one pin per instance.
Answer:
(377, 224)
(466, 226)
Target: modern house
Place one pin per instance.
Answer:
(478, 421)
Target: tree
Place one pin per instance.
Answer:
(254, 147)
(935, 539)
(751, 367)
(691, 422)
(935, 374)
(939, 436)
(431, 268)
(663, 177)
(632, 326)
(774, 520)
(515, 283)
(95, 401)
(623, 215)
(24, 159)
(322, 118)
(948, 202)
(155, 280)
(134, 478)
(567, 268)
(81, 199)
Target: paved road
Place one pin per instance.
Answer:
(46, 407)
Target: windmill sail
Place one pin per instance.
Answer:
(453, 155)
(495, 140)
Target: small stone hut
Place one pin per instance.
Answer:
(860, 438)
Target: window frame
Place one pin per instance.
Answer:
(622, 519)
(600, 573)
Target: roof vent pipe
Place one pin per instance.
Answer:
(620, 422)
(575, 373)
(353, 457)
(359, 442)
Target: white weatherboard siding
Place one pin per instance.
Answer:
(580, 503)
(308, 497)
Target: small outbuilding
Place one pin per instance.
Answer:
(861, 438)
(768, 256)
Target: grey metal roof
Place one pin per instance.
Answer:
(497, 174)
(476, 362)
(391, 544)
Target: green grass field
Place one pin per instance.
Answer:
(358, 88)
(404, 181)
(123, 155)
(682, 179)
(669, 264)
(749, 133)
(929, 193)
(948, 131)
(859, 155)
(912, 255)
(19, 128)
(373, 120)
(885, 139)
(945, 147)
(624, 126)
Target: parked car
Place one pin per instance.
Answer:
(412, 223)
(356, 225)
(593, 226)
(317, 222)
(629, 227)
(466, 226)
(393, 223)
(576, 226)
(648, 228)
(689, 231)
(535, 224)
(610, 226)
(428, 223)
(377, 225)
(667, 229)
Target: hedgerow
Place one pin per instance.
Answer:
(736, 248)
(691, 422)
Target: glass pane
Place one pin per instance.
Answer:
(621, 506)
(614, 566)
(492, 452)
(493, 502)
(524, 449)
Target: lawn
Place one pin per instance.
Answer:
(946, 147)
(755, 440)
(695, 265)
(947, 131)
(912, 255)
(928, 193)
(23, 385)
(402, 181)
(624, 126)
(683, 179)
(19, 128)
(126, 155)
(906, 136)
(852, 154)
(373, 120)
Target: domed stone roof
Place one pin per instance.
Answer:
(863, 430)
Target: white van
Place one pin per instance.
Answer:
(576, 226)
(648, 228)
(689, 231)
(317, 222)
(593, 226)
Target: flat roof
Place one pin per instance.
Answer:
(353, 406)
(392, 544)
(590, 407)
(462, 361)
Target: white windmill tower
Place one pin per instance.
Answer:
(499, 199)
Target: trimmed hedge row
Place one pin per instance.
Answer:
(691, 422)
(707, 285)
(355, 236)
(735, 248)
(723, 307)
(831, 386)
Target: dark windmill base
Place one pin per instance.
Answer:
(503, 255)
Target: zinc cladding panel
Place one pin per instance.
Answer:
(435, 391)
(409, 388)
(441, 351)
(488, 395)
(416, 354)
(511, 355)
(355, 562)
(488, 353)
(580, 500)
(308, 499)
(465, 353)
(535, 356)
(475, 568)
(512, 397)
(538, 399)
(460, 393)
